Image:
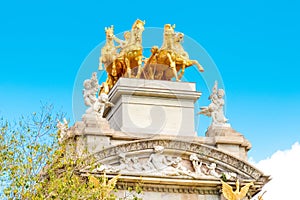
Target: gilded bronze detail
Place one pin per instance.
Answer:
(125, 60)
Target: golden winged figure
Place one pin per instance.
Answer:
(104, 185)
(238, 194)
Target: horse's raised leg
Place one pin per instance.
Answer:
(152, 72)
(173, 66)
(139, 71)
(100, 67)
(113, 69)
(200, 68)
(128, 69)
(158, 75)
(182, 72)
(147, 72)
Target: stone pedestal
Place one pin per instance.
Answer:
(93, 134)
(227, 139)
(153, 107)
(96, 132)
(95, 125)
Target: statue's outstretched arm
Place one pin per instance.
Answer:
(118, 40)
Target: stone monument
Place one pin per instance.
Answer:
(140, 124)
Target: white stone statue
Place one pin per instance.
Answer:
(125, 163)
(211, 170)
(136, 164)
(230, 175)
(166, 165)
(90, 90)
(102, 103)
(163, 165)
(197, 164)
(157, 159)
(215, 108)
(96, 104)
(62, 129)
(105, 168)
(179, 167)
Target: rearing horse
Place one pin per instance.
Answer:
(162, 59)
(126, 63)
(166, 62)
(183, 61)
(109, 59)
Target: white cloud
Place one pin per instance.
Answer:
(284, 168)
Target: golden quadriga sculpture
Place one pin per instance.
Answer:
(165, 63)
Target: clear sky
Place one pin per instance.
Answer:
(254, 44)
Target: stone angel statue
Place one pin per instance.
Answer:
(238, 194)
(215, 108)
(90, 90)
(96, 101)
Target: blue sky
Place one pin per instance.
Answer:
(255, 45)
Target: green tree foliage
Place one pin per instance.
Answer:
(33, 165)
(26, 146)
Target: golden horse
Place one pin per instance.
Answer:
(128, 61)
(114, 66)
(167, 64)
(183, 61)
(170, 61)
(158, 64)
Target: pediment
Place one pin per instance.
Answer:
(173, 159)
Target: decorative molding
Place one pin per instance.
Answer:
(212, 154)
(171, 189)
